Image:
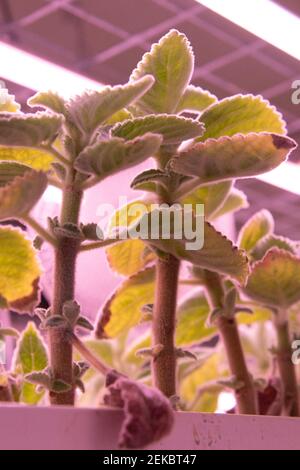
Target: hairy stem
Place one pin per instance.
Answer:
(286, 368)
(66, 252)
(164, 321)
(246, 397)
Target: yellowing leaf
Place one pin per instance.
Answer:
(123, 309)
(106, 158)
(7, 102)
(30, 356)
(130, 256)
(171, 63)
(204, 376)
(19, 266)
(259, 226)
(93, 108)
(241, 114)
(173, 129)
(195, 99)
(192, 318)
(259, 315)
(20, 193)
(240, 156)
(35, 158)
(28, 130)
(275, 280)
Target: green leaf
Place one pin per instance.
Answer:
(217, 254)
(106, 158)
(94, 108)
(272, 241)
(130, 256)
(173, 129)
(7, 102)
(28, 130)
(22, 189)
(19, 266)
(275, 280)
(211, 195)
(192, 318)
(255, 229)
(84, 323)
(171, 63)
(147, 177)
(195, 99)
(31, 356)
(241, 114)
(48, 100)
(235, 201)
(240, 156)
(123, 310)
(60, 386)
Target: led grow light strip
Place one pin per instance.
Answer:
(265, 19)
(286, 176)
(38, 74)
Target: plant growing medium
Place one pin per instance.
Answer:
(149, 351)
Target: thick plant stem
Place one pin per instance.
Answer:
(66, 252)
(164, 322)
(246, 396)
(286, 368)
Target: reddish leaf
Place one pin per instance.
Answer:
(148, 414)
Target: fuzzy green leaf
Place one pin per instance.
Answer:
(106, 158)
(31, 356)
(275, 280)
(255, 229)
(192, 318)
(149, 177)
(272, 241)
(20, 189)
(217, 254)
(123, 310)
(171, 63)
(19, 266)
(241, 114)
(240, 156)
(48, 100)
(28, 130)
(173, 129)
(195, 99)
(93, 108)
(235, 201)
(211, 195)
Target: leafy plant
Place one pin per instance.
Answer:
(201, 146)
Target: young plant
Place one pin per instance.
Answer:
(238, 137)
(274, 283)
